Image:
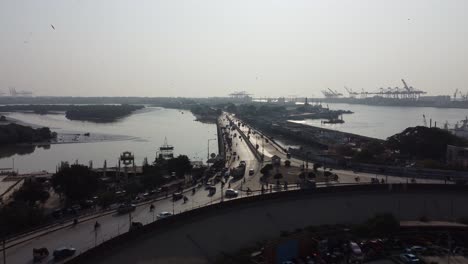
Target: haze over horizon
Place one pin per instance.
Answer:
(215, 47)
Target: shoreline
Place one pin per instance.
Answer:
(68, 137)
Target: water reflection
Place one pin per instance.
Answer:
(7, 151)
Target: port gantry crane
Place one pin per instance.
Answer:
(13, 92)
(351, 93)
(408, 92)
(331, 94)
(455, 94)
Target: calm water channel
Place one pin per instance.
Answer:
(384, 121)
(143, 133)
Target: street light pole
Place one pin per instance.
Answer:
(263, 148)
(208, 154)
(4, 250)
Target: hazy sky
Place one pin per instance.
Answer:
(214, 47)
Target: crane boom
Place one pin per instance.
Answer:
(455, 94)
(333, 92)
(406, 86)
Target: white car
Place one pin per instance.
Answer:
(409, 258)
(162, 215)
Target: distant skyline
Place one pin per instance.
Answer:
(204, 48)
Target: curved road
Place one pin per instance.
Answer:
(83, 236)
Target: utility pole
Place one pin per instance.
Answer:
(129, 219)
(263, 148)
(222, 194)
(208, 154)
(449, 242)
(4, 250)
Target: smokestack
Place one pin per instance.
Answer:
(430, 123)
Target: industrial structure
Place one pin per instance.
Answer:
(14, 92)
(240, 95)
(405, 92)
(459, 96)
(329, 93)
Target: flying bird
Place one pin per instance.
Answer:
(52, 26)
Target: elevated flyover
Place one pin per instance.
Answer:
(198, 236)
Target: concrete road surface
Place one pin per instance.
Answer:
(345, 176)
(83, 236)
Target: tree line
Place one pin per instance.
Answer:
(98, 113)
(14, 133)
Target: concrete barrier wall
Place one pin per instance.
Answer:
(252, 148)
(221, 150)
(198, 236)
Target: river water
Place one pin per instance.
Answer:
(141, 133)
(384, 121)
(144, 131)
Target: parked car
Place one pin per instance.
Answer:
(356, 255)
(64, 252)
(409, 258)
(211, 190)
(87, 204)
(39, 254)
(242, 163)
(70, 211)
(373, 248)
(415, 249)
(251, 172)
(136, 225)
(162, 215)
(76, 207)
(126, 208)
(231, 193)
(177, 196)
(57, 213)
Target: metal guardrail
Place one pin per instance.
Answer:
(290, 193)
(61, 224)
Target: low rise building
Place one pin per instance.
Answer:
(457, 156)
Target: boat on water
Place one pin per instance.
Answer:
(166, 151)
(333, 121)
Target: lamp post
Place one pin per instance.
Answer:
(208, 154)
